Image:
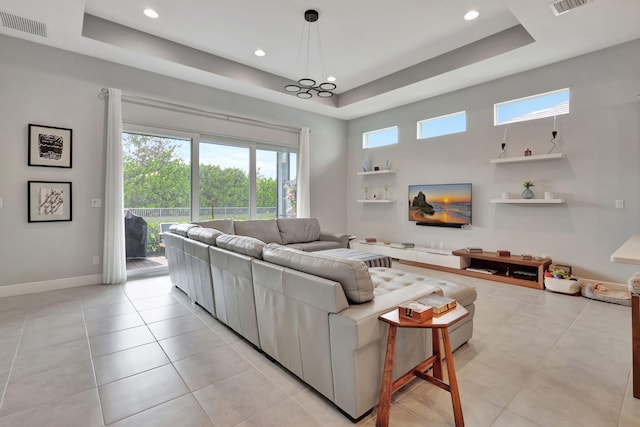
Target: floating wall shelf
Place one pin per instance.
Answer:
(529, 201)
(376, 172)
(376, 201)
(537, 157)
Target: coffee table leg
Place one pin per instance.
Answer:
(384, 405)
(453, 381)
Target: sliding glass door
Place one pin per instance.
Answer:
(170, 177)
(157, 189)
(223, 181)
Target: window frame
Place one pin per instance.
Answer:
(497, 105)
(365, 137)
(434, 119)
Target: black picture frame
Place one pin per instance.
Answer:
(50, 146)
(49, 201)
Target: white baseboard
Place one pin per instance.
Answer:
(49, 285)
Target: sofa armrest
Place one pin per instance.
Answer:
(343, 239)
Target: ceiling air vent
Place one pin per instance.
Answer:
(563, 6)
(19, 23)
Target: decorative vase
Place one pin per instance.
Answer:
(366, 164)
(527, 193)
(387, 165)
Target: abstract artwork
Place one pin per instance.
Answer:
(49, 201)
(50, 146)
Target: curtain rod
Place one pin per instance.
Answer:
(187, 108)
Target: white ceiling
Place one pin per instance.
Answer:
(383, 53)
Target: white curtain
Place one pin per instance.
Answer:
(114, 265)
(303, 184)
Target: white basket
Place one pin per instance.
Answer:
(615, 293)
(564, 286)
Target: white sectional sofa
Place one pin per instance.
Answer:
(316, 315)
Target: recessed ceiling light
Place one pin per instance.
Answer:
(259, 52)
(150, 13)
(471, 15)
(331, 79)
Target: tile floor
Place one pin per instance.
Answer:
(141, 355)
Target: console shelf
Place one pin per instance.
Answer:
(537, 157)
(506, 268)
(375, 201)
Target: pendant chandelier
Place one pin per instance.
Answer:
(306, 86)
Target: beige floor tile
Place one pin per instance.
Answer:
(509, 419)
(122, 364)
(48, 386)
(551, 402)
(79, 410)
(176, 326)
(38, 339)
(107, 310)
(154, 302)
(120, 340)
(324, 411)
(131, 395)
(285, 380)
(283, 414)
(211, 366)
(630, 414)
(35, 361)
(184, 411)
(191, 343)
(53, 321)
(238, 398)
(109, 324)
(163, 313)
(104, 298)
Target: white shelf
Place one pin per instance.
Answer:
(384, 171)
(375, 201)
(529, 201)
(629, 252)
(537, 157)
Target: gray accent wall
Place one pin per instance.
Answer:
(600, 138)
(47, 86)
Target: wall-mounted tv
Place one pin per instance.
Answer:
(440, 205)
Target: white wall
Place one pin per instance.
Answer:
(600, 138)
(48, 86)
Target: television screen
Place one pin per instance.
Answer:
(443, 205)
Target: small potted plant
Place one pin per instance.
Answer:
(527, 193)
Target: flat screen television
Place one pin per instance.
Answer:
(440, 205)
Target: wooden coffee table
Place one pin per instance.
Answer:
(438, 326)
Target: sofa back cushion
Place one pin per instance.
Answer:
(182, 228)
(241, 244)
(204, 235)
(351, 274)
(298, 230)
(224, 225)
(261, 229)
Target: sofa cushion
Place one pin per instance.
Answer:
(241, 244)
(224, 225)
(298, 230)
(204, 235)
(352, 275)
(182, 228)
(318, 245)
(261, 229)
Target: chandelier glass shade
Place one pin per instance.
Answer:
(306, 87)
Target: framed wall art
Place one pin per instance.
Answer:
(50, 146)
(49, 201)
